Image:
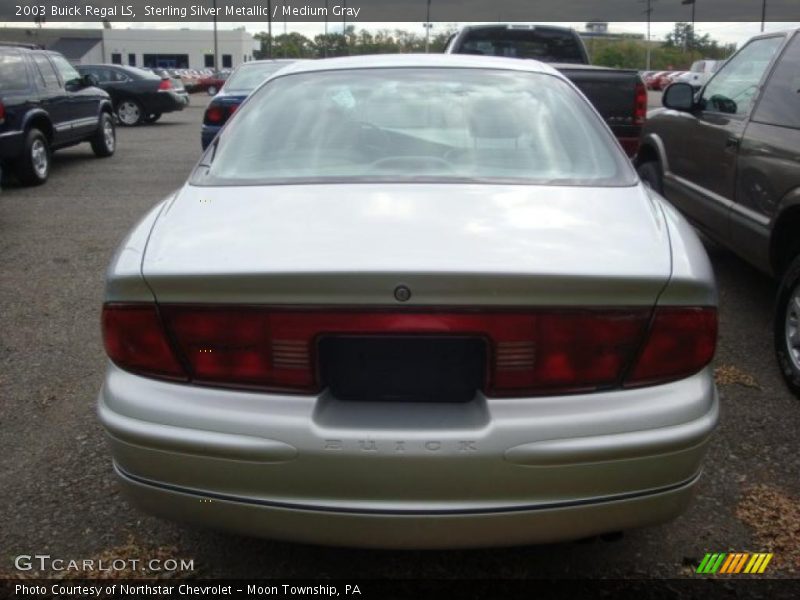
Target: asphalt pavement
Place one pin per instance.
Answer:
(57, 491)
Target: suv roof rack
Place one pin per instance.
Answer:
(22, 45)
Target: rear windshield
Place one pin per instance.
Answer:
(416, 124)
(248, 77)
(548, 45)
(13, 73)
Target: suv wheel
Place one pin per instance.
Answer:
(787, 326)
(129, 113)
(650, 173)
(34, 165)
(104, 142)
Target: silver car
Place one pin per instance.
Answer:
(412, 301)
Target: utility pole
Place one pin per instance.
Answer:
(763, 14)
(428, 28)
(689, 41)
(344, 26)
(216, 45)
(269, 28)
(325, 42)
(649, 13)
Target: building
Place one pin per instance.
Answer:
(166, 48)
(599, 30)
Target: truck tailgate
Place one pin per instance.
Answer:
(613, 92)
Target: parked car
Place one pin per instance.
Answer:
(699, 73)
(412, 301)
(728, 159)
(138, 96)
(663, 79)
(45, 104)
(619, 95)
(238, 86)
(176, 83)
(651, 80)
(212, 82)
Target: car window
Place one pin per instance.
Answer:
(68, 73)
(117, 76)
(103, 75)
(780, 102)
(733, 88)
(410, 124)
(46, 71)
(249, 77)
(13, 73)
(543, 44)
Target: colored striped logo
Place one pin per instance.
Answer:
(734, 563)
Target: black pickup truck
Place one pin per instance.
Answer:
(619, 95)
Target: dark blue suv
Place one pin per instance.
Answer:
(45, 104)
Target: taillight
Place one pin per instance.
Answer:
(2, 113)
(640, 106)
(532, 352)
(215, 115)
(135, 340)
(165, 84)
(680, 343)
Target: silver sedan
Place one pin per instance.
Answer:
(411, 301)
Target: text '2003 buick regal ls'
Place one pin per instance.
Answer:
(411, 301)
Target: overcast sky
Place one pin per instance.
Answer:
(723, 32)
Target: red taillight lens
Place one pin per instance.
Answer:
(541, 352)
(165, 84)
(215, 115)
(232, 109)
(681, 342)
(640, 106)
(565, 351)
(2, 113)
(134, 339)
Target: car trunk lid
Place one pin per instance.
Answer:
(451, 245)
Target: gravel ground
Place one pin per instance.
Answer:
(57, 493)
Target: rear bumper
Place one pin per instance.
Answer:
(486, 472)
(207, 134)
(12, 144)
(522, 525)
(168, 101)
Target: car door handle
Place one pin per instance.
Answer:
(732, 142)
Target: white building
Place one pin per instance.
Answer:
(166, 48)
(182, 48)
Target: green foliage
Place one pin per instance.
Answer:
(385, 41)
(683, 36)
(678, 52)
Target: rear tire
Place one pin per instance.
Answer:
(787, 326)
(129, 113)
(33, 167)
(650, 173)
(104, 142)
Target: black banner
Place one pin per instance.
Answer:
(370, 11)
(700, 588)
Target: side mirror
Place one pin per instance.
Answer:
(679, 96)
(90, 80)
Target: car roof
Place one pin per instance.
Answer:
(517, 26)
(459, 61)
